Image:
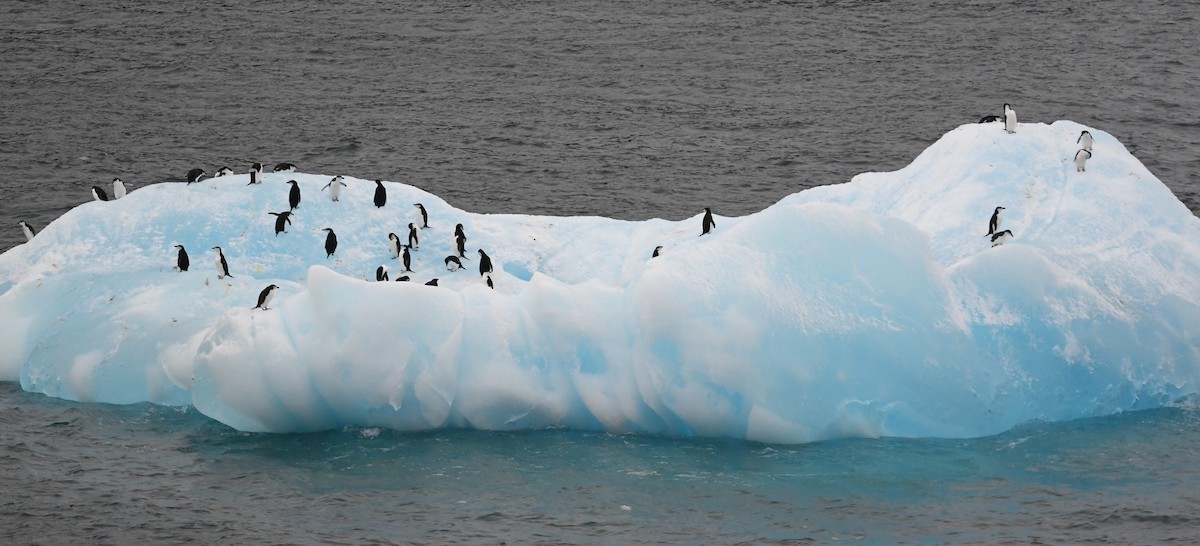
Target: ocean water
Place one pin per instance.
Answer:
(624, 109)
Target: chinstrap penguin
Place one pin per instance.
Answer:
(335, 187)
(282, 220)
(284, 167)
(27, 230)
(119, 188)
(1081, 158)
(181, 259)
(381, 273)
(1010, 119)
(265, 297)
(195, 175)
(330, 242)
(707, 224)
(424, 215)
(452, 263)
(485, 263)
(994, 223)
(222, 265)
(294, 195)
(1085, 141)
(380, 194)
(414, 240)
(98, 194)
(999, 237)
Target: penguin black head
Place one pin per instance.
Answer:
(998, 209)
(293, 182)
(378, 182)
(256, 167)
(217, 248)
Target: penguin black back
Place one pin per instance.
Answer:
(708, 223)
(98, 193)
(485, 263)
(195, 175)
(330, 242)
(181, 259)
(380, 194)
(294, 195)
(282, 220)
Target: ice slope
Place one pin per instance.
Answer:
(875, 307)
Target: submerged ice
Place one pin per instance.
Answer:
(875, 307)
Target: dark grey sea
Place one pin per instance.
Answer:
(624, 109)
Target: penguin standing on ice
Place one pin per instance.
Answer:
(380, 194)
(98, 194)
(452, 263)
(195, 175)
(265, 297)
(424, 215)
(414, 240)
(1010, 119)
(26, 229)
(406, 259)
(282, 220)
(1081, 158)
(999, 237)
(381, 273)
(707, 224)
(255, 174)
(284, 167)
(118, 188)
(223, 171)
(1085, 141)
(181, 259)
(294, 195)
(330, 242)
(657, 251)
(394, 245)
(994, 223)
(222, 265)
(485, 263)
(460, 241)
(335, 187)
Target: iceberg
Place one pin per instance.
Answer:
(876, 307)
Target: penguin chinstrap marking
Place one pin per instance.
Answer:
(1081, 158)
(1010, 119)
(265, 297)
(424, 215)
(414, 240)
(707, 224)
(284, 167)
(381, 273)
(1085, 141)
(27, 230)
(223, 171)
(380, 194)
(98, 194)
(181, 259)
(195, 175)
(282, 220)
(452, 263)
(119, 188)
(335, 187)
(294, 195)
(394, 245)
(222, 265)
(657, 251)
(994, 222)
(485, 263)
(255, 174)
(406, 259)
(999, 237)
(330, 242)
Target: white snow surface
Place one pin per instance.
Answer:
(871, 308)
